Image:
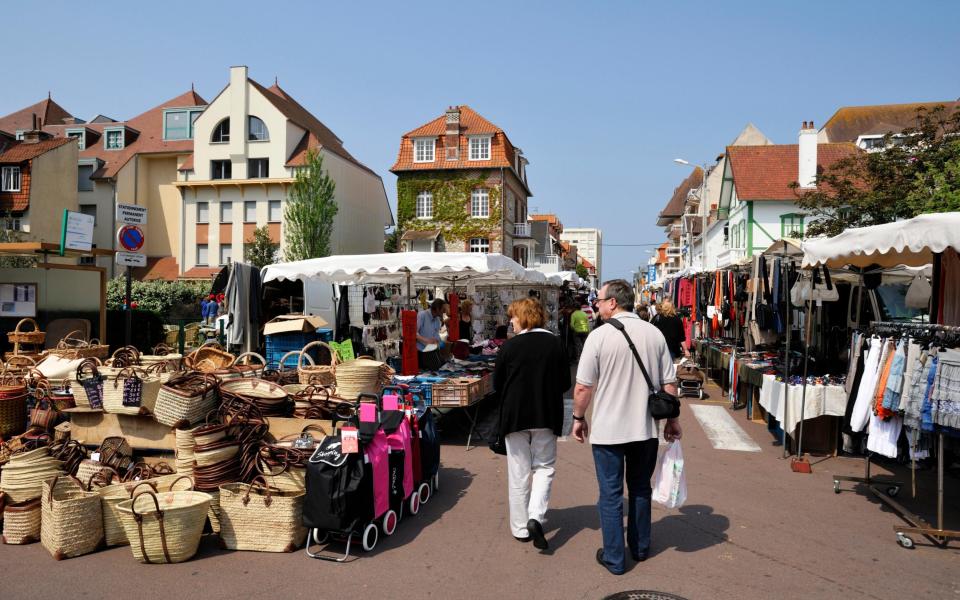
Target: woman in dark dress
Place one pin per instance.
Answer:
(671, 326)
(531, 376)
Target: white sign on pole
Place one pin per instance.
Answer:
(131, 259)
(78, 231)
(131, 214)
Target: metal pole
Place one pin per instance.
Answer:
(785, 290)
(806, 364)
(940, 484)
(129, 315)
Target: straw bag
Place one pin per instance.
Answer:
(116, 453)
(74, 347)
(20, 364)
(243, 367)
(131, 392)
(127, 356)
(270, 398)
(256, 517)
(164, 527)
(112, 495)
(88, 384)
(88, 471)
(184, 452)
(208, 358)
(361, 376)
(163, 354)
(21, 336)
(186, 399)
(72, 522)
(284, 375)
(13, 405)
(21, 522)
(318, 374)
(23, 476)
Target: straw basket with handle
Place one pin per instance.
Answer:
(208, 358)
(363, 375)
(127, 356)
(132, 391)
(257, 517)
(21, 522)
(13, 405)
(163, 354)
(71, 523)
(20, 363)
(72, 346)
(164, 527)
(186, 399)
(32, 338)
(112, 495)
(318, 374)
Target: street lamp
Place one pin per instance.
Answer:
(703, 214)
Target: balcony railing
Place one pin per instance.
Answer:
(674, 251)
(730, 256)
(547, 262)
(521, 229)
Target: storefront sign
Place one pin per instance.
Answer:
(131, 214)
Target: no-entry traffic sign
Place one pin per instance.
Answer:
(130, 238)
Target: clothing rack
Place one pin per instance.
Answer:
(938, 535)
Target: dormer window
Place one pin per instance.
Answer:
(113, 139)
(178, 123)
(480, 147)
(424, 150)
(221, 133)
(80, 135)
(257, 130)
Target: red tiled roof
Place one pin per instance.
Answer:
(163, 268)
(317, 136)
(552, 219)
(48, 111)
(850, 122)
(201, 273)
(586, 263)
(187, 164)
(766, 172)
(21, 151)
(149, 138)
(674, 207)
(502, 152)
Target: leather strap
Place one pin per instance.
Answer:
(616, 324)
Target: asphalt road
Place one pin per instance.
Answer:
(751, 528)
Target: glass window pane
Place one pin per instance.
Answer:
(226, 252)
(202, 254)
(257, 130)
(203, 212)
(84, 183)
(250, 211)
(226, 212)
(274, 216)
(221, 132)
(176, 126)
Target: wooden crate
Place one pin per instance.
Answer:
(462, 391)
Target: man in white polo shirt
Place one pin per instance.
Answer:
(622, 432)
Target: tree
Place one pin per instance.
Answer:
(260, 250)
(9, 234)
(582, 271)
(391, 242)
(310, 211)
(917, 172)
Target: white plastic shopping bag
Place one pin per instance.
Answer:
(670, 482)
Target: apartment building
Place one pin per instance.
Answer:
(589, 243)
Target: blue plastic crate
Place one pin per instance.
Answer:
(279, 344)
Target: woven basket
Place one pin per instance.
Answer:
(89, 469)
(72, 522)
(112, 495)
(208, 359)
(256, 517)
(90, 368)
(21, 522)
(114, 390)
(13, 406)
(21, 336)
(163, 354)
(243, 367)
(185, 400)
(185, 444)
(215, 452)
(361, 376)
(318, 374)
(271, 399)
(20, 364)
(23, 476)
(74, 347)
(164, 527)
(125, 357)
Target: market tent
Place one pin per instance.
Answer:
(395, 267)
(792, 247)
(912, 242)
(562, 277)
(536, 277)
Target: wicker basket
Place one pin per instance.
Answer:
(23, 476)
(21, 522)
(186, 400)
(116, 388)
(164, 527)
(163, 354)
(361, 376)
(20, 364)
(112, 495)
(13, 406)
(208, 358)
(88, 372)
(255, 517)
(243, 367)
(72, 522)
(73, 347)
(271, 399)
(318, 374)
(33, 336)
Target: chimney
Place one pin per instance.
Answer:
(32, 136)
(69, 120)
(807, 172)
(451, 140)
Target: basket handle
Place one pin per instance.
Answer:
(181, 478)
(248, 355)
(139, 519)
(269, 493)
(285, 356)
(161, 350)
(149, 484)
(53, 485)
(333, 353)
(22, 322)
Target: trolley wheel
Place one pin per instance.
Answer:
(836, 487)
(436, 482)
(424, 492)
(414, 504)
(892, 491)
(370, 537)
(389, 522)
(700, 394)
(905, 541)
(317, 540)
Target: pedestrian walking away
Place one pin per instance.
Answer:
(622, 432)
(671, 326)
(531, 376)
(580, 324)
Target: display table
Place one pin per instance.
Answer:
(778, 398)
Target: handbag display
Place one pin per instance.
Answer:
(661, 404)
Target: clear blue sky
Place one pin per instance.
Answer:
(601, 96)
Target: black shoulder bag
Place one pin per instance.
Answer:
(661, 404)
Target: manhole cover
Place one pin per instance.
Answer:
(643, 595)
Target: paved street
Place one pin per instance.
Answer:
(751, 529)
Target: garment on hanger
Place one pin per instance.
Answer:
(945, 395)
(862, 408)
(884, 434)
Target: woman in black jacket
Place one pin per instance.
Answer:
(671, 326)
(531, 376)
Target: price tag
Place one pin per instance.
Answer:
(95, 456)
(350, 440)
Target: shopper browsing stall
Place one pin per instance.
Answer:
(429, 323)
(531, 377)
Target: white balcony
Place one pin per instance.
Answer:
(730, 256)
(674, 251)
(521, 229)
(546, 263)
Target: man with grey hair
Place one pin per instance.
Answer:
(622, 432)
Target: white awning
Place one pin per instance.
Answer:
(912, 242)
(440, 267)
(562, 277)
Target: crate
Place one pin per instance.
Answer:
(462, 391)
(279, 344)
(486, 385)
(423, 391)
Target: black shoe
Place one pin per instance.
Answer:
(536, 534)
(520, 539)
(640, 557)
(603, 564)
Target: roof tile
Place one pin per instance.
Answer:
(21, 151)
(766, 172)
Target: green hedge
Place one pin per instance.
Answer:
(170, 299)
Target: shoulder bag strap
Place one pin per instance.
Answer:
(616, 324)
